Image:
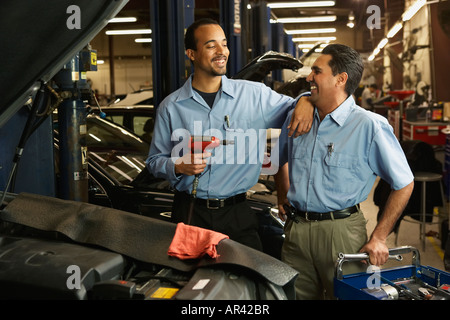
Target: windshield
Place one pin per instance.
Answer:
(119, 152)
(105, 135)
(122, 167)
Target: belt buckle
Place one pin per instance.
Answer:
(214, 207)
(307, 217)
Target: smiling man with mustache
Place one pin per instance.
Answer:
(330, 171)
(211, 104)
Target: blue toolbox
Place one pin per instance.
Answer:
(409, 282)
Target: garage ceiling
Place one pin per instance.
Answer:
(390, 12)
(360, 37)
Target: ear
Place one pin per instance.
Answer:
(190, 54)
(342, 79)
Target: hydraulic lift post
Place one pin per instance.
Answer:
(72, 128)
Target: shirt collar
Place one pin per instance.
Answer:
(187, 91)
(227, 87)
(341, 113)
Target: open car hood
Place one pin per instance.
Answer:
(37, 42)
(139, 237)
(261, 66)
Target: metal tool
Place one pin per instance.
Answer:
(384, 292)
(199, 144)
(402, 289)
(394, 253)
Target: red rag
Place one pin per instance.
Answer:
(191, 242)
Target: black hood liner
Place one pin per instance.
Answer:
(261, 66)
(36, 43)
(139, 237)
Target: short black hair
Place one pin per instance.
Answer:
(189, 38)
(346, 59)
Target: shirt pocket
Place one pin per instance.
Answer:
(339, 174)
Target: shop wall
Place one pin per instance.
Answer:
(132, 65)
(417, 66)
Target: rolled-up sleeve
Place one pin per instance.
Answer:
(387, 159)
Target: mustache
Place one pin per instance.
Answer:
(220, 57)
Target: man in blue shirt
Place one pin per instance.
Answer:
(210, 104)
(330, 171)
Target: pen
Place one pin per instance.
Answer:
(330, 148)
(227, 120)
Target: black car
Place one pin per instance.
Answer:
(135, 112)
(139, 119)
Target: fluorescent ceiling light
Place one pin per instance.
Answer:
(351, 16)
(382, 43)
(396, 28)
(378, 49)
(124, 19)
(302, 4)
(314, 39)
(304, 20)
(310, 31)
(306, 45)
(143, 40)
(310, 45)
(125, 32)
(412, 10)
(305, 50)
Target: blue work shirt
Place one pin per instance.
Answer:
(242, 112)
(334, 166)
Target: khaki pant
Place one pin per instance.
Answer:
(312, 248)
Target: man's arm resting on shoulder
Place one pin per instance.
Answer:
(396, 203)
(302, 117)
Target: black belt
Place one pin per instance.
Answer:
(215, 203)
(318, 216)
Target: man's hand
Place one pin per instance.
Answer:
(396, 203)
(302, 118)
(191, 164)
(377, 250)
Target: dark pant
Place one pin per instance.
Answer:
(238, 221)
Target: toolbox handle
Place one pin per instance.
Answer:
(394, 253)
